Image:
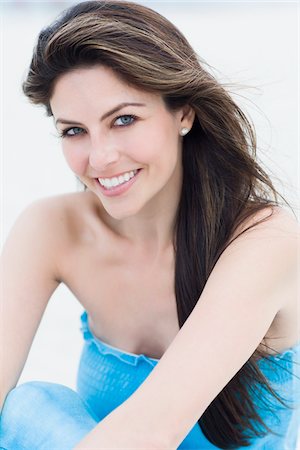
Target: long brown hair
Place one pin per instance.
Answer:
(222, 183)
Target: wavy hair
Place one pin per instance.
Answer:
(222, 183)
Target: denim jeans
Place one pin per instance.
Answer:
(43, 416)
(46, 416)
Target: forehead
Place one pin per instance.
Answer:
(97, 84)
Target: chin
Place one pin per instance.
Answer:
(119, 213)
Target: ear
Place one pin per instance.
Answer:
(187, 116)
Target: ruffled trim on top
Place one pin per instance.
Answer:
(277, 366)
(107, 349)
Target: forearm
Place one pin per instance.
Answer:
(127, 427)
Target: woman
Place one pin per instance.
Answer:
(177, 249)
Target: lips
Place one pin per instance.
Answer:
(108, 183)
(119, 189)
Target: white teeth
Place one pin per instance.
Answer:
(115, 181)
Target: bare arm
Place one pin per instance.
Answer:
(28, 278)
(243, 294)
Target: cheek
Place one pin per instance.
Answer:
(75, 160)
(152, 145)
(165, 143)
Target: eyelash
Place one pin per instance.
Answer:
(63, 133)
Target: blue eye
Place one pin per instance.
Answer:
(70, 132)
(124, 120)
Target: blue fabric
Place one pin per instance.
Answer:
(48, 416)
(43, 416)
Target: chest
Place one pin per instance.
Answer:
(130, 301)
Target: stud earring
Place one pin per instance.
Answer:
(184, 131)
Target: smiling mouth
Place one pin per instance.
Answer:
(114, 182)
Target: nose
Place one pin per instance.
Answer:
(102, 153)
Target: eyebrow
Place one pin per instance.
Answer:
(107, 114)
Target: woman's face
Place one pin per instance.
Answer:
(122, 143)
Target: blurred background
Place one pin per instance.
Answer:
(251, 44)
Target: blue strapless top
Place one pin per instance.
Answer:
(107, 376)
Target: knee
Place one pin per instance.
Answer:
(19, 409)
(36, 410)
(24, 391)
(19, 401)
(35, 400)
(31, 395)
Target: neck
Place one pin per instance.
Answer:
(151, 230)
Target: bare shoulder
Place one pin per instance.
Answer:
(272, 231)
(52, 224)
(62, 212)
(271, 226)
(273, 235)
(280, 219)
